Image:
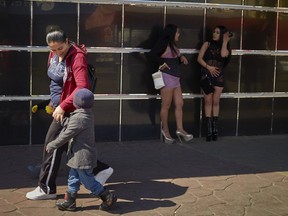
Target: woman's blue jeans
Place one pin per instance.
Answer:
(86, 177)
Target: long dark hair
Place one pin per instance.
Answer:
(168, 36)
(219, 43)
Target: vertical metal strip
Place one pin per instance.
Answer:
(275, 68)
(31, 71)
(201, 99)
(239, 71)
(121, 73)
(78, 22)
(165, 16)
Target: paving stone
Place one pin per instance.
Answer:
(234, 176)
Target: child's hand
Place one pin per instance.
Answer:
(47, 149)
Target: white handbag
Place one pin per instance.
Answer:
(158, 80)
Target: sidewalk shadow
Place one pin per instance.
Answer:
(141, 196)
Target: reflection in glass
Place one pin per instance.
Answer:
(40, 81)
(255, 116)
(107, 66)
(100, 25)
(140, 119)
(14, 73)
(40, 124)
(280, 117)
(142, 26)
(137, 74)
(231, 75)
(281, 74)
(239, 2)
(259, 30)
(189, 21)
(51, 15)
(14, 22)
(267, 3)
(14, 127)
(106, 120)
(283, 3)
(283, 32)
(257, 73)
(231, 19)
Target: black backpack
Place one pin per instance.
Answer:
(92, 77)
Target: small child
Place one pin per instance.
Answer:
(78, 130)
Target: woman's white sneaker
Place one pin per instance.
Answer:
(39, 194)
(102, 176)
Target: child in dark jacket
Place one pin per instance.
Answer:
(78, 130)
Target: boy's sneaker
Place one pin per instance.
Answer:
(39, 194)
(103, 175)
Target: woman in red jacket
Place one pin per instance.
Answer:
(67, 69)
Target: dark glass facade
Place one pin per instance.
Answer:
(118, 37)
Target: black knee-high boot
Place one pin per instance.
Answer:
(214, 128)
(209, 128)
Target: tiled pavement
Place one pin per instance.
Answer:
(235, 176)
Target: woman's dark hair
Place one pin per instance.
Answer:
(56, 35)
(168, 37)
(223, 30)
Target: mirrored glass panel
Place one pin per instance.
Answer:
(190, 75)
(191, 117)
(14, 73)
(259, 30)
(190, 22)
(283, 3)
(106, 120)
(282, 74)
(50, 15)
(107, 66)
(257, 73)
(267, 3)
(40, 81)
(140, 119)
(40, 122)
(231, 75)
(227, 121)
(280, 116)
(255, 116)
(100, 25)
(15, 22)
(142, 26)
(239, 2)
(283, 31)
(137, 74)
(231, 19)
(198, 1)
(14, 127)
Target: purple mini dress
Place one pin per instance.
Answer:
(170, 81)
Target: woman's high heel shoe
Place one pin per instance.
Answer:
(186, 137)
(166, 140)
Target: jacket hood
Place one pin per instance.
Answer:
(77, 49)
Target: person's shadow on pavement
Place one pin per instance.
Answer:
(141, 196)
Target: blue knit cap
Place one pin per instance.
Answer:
(83, 98)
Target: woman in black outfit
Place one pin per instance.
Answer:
(213, 56)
